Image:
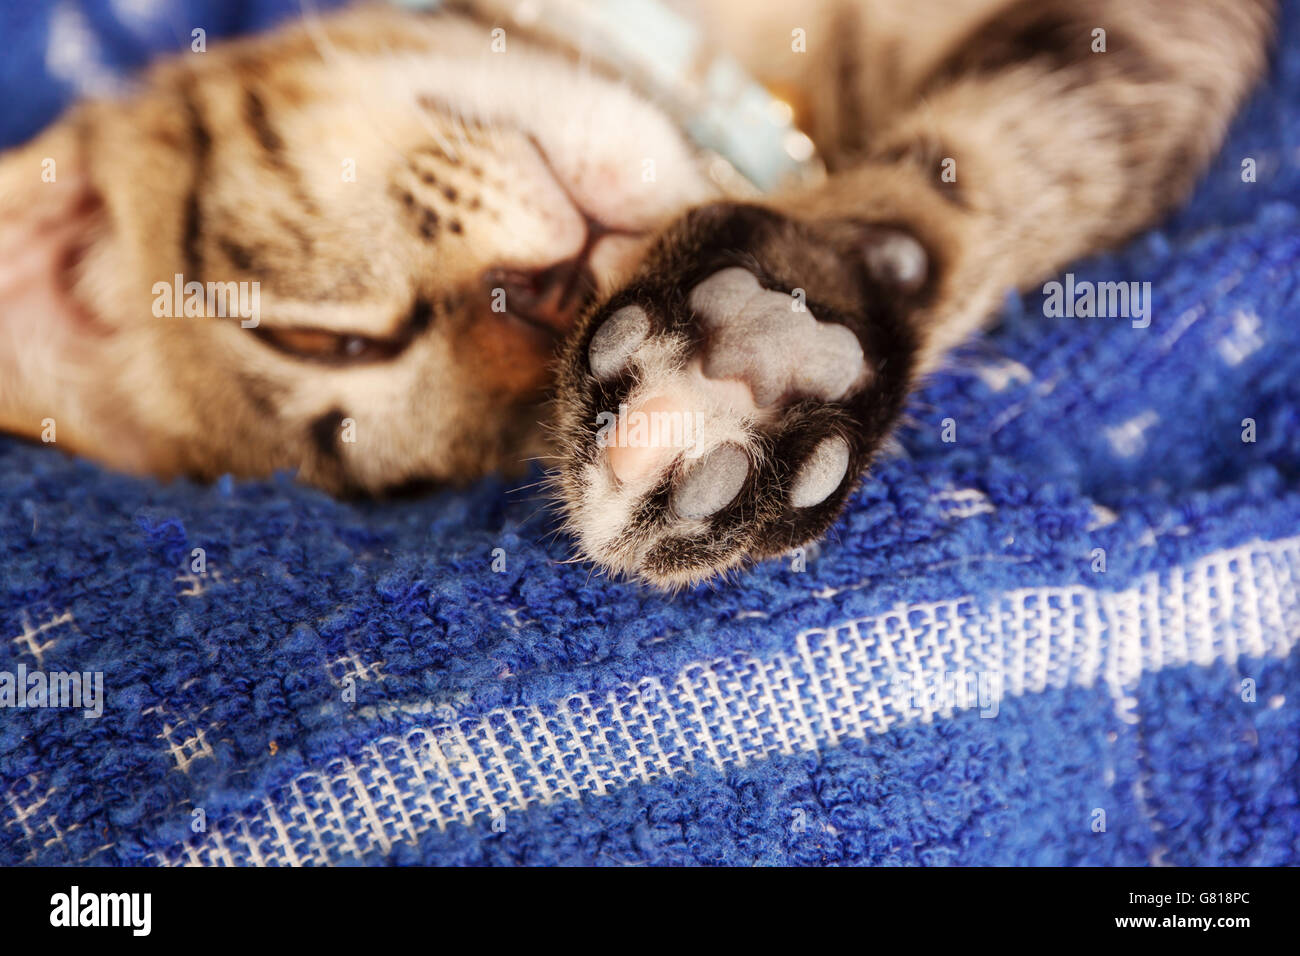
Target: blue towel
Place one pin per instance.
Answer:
(1066, 637)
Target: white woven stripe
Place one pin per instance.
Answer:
(837, 684)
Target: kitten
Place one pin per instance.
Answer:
(379, 184)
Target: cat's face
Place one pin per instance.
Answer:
(410, 221)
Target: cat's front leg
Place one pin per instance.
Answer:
(721, 408)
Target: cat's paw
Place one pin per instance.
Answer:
(721, 408)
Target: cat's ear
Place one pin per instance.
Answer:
(42, 179)
(55, 370)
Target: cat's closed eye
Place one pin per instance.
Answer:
(320, 345)
(346, 348)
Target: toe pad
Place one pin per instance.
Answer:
(713, 483)
(821, 474)
(616, 340)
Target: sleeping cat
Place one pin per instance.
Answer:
(459, 263)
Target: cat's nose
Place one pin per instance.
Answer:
(550, 297)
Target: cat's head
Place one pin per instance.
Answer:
(390, 220)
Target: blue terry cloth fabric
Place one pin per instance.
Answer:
(1065, 637)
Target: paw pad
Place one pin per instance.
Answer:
(897, 258)
(649, 437)
(765, 338)
(821, 474)
(713, 483)
(616, 340)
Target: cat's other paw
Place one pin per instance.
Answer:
(721, 407)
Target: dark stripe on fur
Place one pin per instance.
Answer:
(201, 143)
(853, 123)
(264, 132)
(240, 256)
(1056, 34)
(926, 154)
(324, 433)
(267, 137)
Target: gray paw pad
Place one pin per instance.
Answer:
(616, 340)
(897, 258)
(772, 342)
(821, 474)
(713, 483)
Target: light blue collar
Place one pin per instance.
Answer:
(749, 132)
